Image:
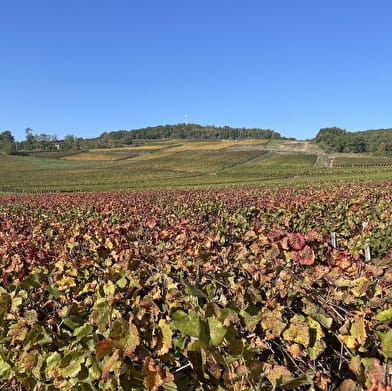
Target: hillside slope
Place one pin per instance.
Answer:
(183, 163)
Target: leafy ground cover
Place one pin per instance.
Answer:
(229, 289)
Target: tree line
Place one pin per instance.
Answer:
(48, 142)
(186, 132)
(335, 139)
(37, 142)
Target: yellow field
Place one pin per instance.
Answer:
(162, 149)
(193, 146)
(147, 147)
(98, 156)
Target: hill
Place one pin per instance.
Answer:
(185, 132)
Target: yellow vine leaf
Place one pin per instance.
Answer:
(316, 344)
(357, 335)
(165, 339)
(298, 332)
(109, 365)
(132, 341)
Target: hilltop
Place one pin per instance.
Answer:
(184, 132)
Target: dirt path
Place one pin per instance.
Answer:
(289, 146)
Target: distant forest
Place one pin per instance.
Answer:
(334, 139)
(187, 132)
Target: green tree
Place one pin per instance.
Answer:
(10, 148)
(6, 137)
(30, 138)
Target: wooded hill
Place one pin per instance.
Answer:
(186, 131)
(339, 140)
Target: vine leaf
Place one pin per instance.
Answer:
(109, 364)
(217, 331)
(384, 316)
(188, 324)
(103, 348)
(5, 305)
(386, 344)
(348, 385)
(73, 366)
(316, 344)
(305, 256)
(132, 341)
(279, 375)
(100, 314)
(357, 335)
(154, 375)
(297, 332)
(296, 241)
(165, 338)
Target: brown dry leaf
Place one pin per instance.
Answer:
(132, 341)
(272, 323)
(272, 253)
(18, 331)
(279, 374)
(349, 385)
(322, 381)
(154, 375)
(361, 285)
(103, 348)
(109, 364)
(296, 350)
(31, 317)
(356, 366)
(29, 359)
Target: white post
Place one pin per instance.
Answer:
(368, 256)
(333, 239)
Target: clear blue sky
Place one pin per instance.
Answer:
(83, 67)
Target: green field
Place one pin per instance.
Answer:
(163, 164)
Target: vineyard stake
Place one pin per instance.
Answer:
(368, 256)
(333, 239)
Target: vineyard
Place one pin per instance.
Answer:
(182, 164)
(243, 289)
(364, 161)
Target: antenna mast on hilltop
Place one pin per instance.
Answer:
(186, 119)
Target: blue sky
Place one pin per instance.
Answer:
(83, 67)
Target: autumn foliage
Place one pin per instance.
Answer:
(230, 289)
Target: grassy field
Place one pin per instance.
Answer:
(163, 164)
